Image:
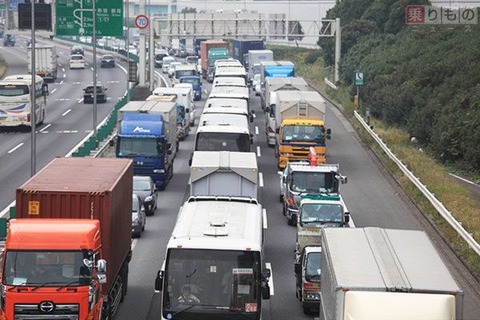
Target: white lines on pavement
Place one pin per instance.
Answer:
(64, 75)
(15, 148)
(80, 101)
(256, 130)
(45, 128)
(66, 112)
(259, 153)
(265, 221)
(66, 131)
(77, 82)
(63, 99)
(53, 90)
(61, 82)
(270, 280)
(260, 178)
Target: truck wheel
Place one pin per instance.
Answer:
(106, 311)
(281, 198)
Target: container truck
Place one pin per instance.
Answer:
(147, 135)
(45, 61)
(376, 274)
(254, 59)
(241, 47)
(67, 251)
(196, 45)
(212, 50)
(269, 100)
(224, 173)
(300, 124)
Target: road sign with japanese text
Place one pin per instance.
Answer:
(416, 14)
(75, 18)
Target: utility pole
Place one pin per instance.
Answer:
(33, 109)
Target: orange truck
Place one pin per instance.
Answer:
(67, 250)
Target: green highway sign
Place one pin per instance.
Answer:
(359, 78)
(75, 17)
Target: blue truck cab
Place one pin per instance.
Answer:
(196, 83)
(148, 138)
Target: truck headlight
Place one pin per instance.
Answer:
(158, 171)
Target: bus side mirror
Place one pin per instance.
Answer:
(347, 218)
(298, 268)
(45, 89)
(159, 281)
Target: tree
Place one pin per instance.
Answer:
(188, 10)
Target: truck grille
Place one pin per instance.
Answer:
(46, 310)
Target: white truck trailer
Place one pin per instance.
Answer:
(224, 173)
(45, 61)
(377, 274)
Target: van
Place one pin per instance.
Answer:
(77, 50)
(159, 55)
(77, 61)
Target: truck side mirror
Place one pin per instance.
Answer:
(266, 274)
(268, 109)
(159, 281)
(277, 130)
(45, 89)
(102, 266)
(298, 268)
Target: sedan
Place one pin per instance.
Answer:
(139, 218)
(145, 188)
(88, 94)
(107, 61)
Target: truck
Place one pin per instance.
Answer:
(185, 106)
(214, 265)
(183, 127)
(68, 248)
(307, 178)
(147, 135)
(275, 69)
(210, 51)
(254, 59)
(45, 61)
(300, 124)
(241, 47)
(273, 85)
(378, 273)
(224, 173)
(196, 45)
(307, 278)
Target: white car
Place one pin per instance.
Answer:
(77, 61)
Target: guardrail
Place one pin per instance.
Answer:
(430, 196)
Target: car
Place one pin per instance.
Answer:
(139, 218)
(77, 61)
(145, 188)
(107, 61)
(101, 94)
(159, 55)
(8, 39)
(77, 50)
(166, 62)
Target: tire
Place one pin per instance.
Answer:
(124, 283)
(281, 198)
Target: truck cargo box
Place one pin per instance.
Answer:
(299, 105)
(85, 188)
(224, 173)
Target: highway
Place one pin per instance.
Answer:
(372, 196)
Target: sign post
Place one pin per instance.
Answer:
(359, 79)
(74, 18)
(141, 21)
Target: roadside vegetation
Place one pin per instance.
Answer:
(423, 91)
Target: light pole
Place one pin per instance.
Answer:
(127, 46)
(33, 108)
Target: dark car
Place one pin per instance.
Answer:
(139, 218)
(145, 188)
(88, 94)
(107, 61)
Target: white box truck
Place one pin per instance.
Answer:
(254, 59)
(224, 173)
(45, 61)
(377, 274)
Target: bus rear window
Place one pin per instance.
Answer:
(13, 90)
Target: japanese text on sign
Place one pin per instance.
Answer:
(415, 15)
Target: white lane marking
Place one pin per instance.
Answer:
(80, 101)
(260, 179)
(256, 130)
(66, 112)
(64, 75)
(259, 153)
(270, 280)
(11, 150)
(265, 222)
(61, 82)
(53, 91)
(45, 128)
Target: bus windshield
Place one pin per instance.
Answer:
(216, 284)
(221, 141)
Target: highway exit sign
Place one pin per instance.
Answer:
(75, 17)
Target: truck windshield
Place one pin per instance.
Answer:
(46, 268)
(320, 213)
(194, 81)
(221, 141)
(212, 283)
(292, 133)
(146, 147)
(183, 73)
(312, 272)
(313, 182)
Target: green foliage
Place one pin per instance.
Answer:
(424, 79)
(189, 10)
(312, 56)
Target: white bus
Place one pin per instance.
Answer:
(15, 100)
(214, 266)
